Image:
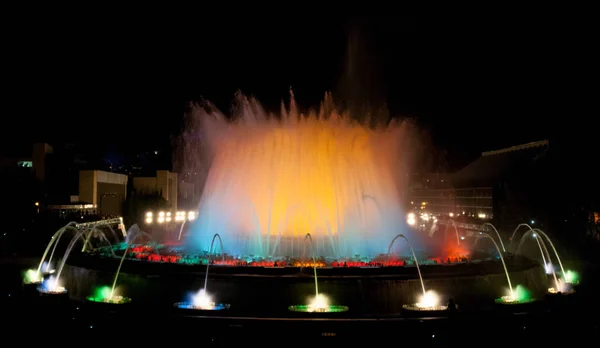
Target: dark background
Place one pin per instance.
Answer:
(473, 84)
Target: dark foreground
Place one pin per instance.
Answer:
(32, 317)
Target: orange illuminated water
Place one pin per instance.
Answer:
(272, 179)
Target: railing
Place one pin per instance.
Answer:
(471, 229)
(115, 221)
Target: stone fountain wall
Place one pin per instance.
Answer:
(270, 295)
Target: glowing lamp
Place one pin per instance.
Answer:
(202, 301)
(318, 304)
(429, 301)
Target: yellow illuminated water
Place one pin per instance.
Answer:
(271, 180)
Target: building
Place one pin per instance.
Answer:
(497, 186)
(163, 184)
(105, 191)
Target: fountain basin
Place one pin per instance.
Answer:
(30, 289)
(32, 283)
(553, 291)
(415, 307)
(116, 300)
(310, 309)
(416, 310)
(191, 306)
(510, 300)
(58, 290)
(369, 292)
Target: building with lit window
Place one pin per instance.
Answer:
(494, 186)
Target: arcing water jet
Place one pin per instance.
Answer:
(132, 237)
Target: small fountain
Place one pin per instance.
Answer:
(320, 303)
(522, 296)
(104, 294)
(202, 300)
(429, 301)
(109, 297)
(51, 286)
(548, 266)
(35, 276)
(565, 286)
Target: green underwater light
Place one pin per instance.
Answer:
(571, 277)
(102, 294)
(519, 295)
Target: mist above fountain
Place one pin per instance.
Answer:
(270, 179)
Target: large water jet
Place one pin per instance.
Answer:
(272, 179)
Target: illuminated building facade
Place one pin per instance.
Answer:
(491, 187)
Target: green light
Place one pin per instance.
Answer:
(572, 277)
(522, 294)
(32, 277)
(102, 294)
(310, 309)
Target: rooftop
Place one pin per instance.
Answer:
(494, 165)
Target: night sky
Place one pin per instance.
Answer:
(473, 85)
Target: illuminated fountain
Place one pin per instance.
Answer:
(36, 276)
(51, 286)
(203, 300)
(512, 297)
(319, 303)
(271, 185)
(429, 301)
(108, 295)
(271, 179)
(547, 261)
(45, 267)
(105, 294)
(564, 285)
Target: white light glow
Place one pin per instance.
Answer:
(428, 300)
(318, 303)
(203, 300)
